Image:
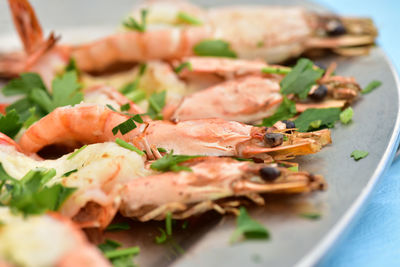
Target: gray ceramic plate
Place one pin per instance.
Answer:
(293, 240)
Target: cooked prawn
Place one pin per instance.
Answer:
(207, 186)
(212, 137)
(291, 31)
(44, 240)
(98, 174)
(248, 95)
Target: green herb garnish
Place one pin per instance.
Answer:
(311, 215)
(161, 150)
(301, 78)
(276, 70)
(188, 19)
(129, 146)
(162, 238)
(24, 84)
(359, 154)
(248, 227)
(156, 104)
(170, 163)
(125, 107)
(118, 257)
(182, 66)
(30, 195)
(72, 66)
(10, 123)
(311, 117)
(371, 86)
(73, 154)
(286, 110)
(294, 168)
(214, 48)
(260, 44)
(118, 226)
(346, 115)
(132, 24)
(69, 173)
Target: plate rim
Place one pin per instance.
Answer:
(329, 239)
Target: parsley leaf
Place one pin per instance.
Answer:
(69, 172)
(10, 123)
(156, 104)
(286, 110)
(73, 154)
(346, 115)
(327, 116)
(125, 107)
(359, 154)
(128, 146)
(118, 226)
(66, 90)
(168, 230)
(188, 19)
(72, 66)
(132, 24)
(182, 66)
(371, 86)
(124, 127)
(248, 227)
(301, 78)
(276, 70)
(170, 163)
(214, 48)
(24, 84)
(118, 257)
(311, 215)
(30, 195)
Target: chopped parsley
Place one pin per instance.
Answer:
(132, 24)
(286, 110)
(156, 104)
(125, 127)
(248, 227)
(161, 150)
(30, 195)
(72, 66)
(69, 173)
(214, 48)
(118, 257)
(346, 115)
(66, 91)
(125, 107)
(118, 226)
(359, 154)
(170, 163)
(301, 78)
(10, 123)
(371, 86)
(73, 154)
(182, 66)
(276, 70)
(128, 146)
(188, 19)
(312, 117)
(131, 90)
(260, 44)
(294, 168)
(310, 215)
(168, 230)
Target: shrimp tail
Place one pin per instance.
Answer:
(26, 24)
(344, 36)
(31, 36)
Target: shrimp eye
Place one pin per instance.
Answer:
(273, 139)
(289, 124)
(320, 93)
(269, 174)
(335, 28)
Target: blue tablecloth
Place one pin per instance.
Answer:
(375, 239)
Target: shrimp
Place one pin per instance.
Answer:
(211, 137)
(207, 187)
(247, 95)
(97, 173)
(44, 240)
(291, 31)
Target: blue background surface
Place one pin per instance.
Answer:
(375, 238)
